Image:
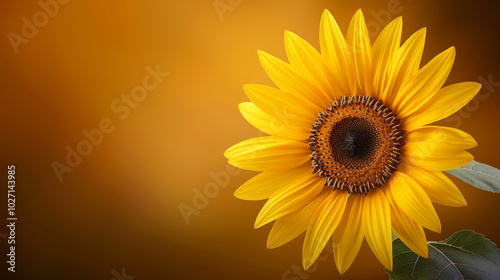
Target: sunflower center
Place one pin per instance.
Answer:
(356, 144)
(353, 140)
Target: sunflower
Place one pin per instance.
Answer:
(350, 153)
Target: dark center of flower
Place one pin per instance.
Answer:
(356, 144)
(353, 141)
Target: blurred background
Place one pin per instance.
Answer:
(117, 115)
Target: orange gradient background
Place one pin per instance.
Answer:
(120, 206)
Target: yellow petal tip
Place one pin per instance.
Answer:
(237, 193)
(242, 105)
(259, 222)
(438, 229)
(226, 152)
(233, 162)
(421, 33)
(326, 17)
(256, 225)
(425, 253)
(474, 143)
(341, 267)
(307, 263)
(271, 243)
(261, 54)
(452, 51)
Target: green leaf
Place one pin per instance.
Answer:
(464, 255)
(479, 175)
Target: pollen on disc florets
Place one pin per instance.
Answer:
(356, 144)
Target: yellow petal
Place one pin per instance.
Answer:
(292, 225)
(293, 196)
(284, 106)
(268, 153)
(359, 44)
(441, 135)
(289, 80)
(409, 196)
(336, 55)
(384, 54)
(349, 235)
(409, 231)
(271, 125)
(307, 60)
(406, 64)
(323, 223)
(424, 84)
(377, 226)
(439, 187)
(265, 184)
(447, 101)
(435, 156)
(256, 117)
